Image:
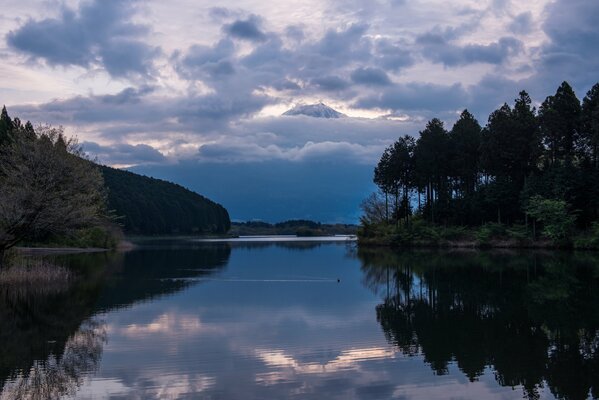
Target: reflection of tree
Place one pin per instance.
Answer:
(530, 317)
(300, 245)
(156, 271)
(48, 339)
(60, 375)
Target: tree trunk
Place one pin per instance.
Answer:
(2, 257)
(386, 207)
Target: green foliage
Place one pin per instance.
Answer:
(589, 239)
(149, 206)
(472, 176)
(557, 221)
(489, 231)
(47, 187)
(559, 117)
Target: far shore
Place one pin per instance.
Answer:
(470, 244)
(42, 251)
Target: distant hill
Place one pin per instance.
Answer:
(299, 227)
(319, 110)
(150, 206)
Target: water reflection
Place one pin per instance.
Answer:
(532, 318)
(51, 339)
(231, 320)
(60, 374)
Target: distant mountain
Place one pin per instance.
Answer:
(319, 110)
(150, 206)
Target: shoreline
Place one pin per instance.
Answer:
(471, 244)
(124, 245)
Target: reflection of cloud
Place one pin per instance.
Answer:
(175, 386)
(288, 365)
(158, 385)
(62, 375)
(169, 323)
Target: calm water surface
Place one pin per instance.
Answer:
(267, 319)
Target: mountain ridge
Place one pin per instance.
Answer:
(318, 110)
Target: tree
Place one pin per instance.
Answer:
(431, 160)
(402, 166)
(374, 209)
(560, 124)
(590, 124)
(383, 177)
(557, 221)
(5, 126)
(465, 137)
(526, 136)
(46, 187)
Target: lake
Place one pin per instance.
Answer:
(306, 319)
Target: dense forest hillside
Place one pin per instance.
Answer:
(151, 206)
(536, 171)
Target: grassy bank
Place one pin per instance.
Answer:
(491, 235)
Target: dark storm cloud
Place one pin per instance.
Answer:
(135, 111)
(436, 48)
(98, 33)
(248, 29)
(348, 43)
(370, 76)
(571, 53)
(123, 153)
(214, 61)
(330, 83)
(392, 55)
(417, 96)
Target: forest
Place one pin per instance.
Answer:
(533, 169)
(149, 206)
(53, 194)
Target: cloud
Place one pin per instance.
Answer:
(135, 112)
(392, 55)
(571, 53)
(98, 33)
(123, 154)
(370, 76)
(214, 61)
(436, 48)
(248, 29)
(417, 96)
(522, 23)
(330, 83)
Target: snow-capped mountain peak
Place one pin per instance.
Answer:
(319, 110)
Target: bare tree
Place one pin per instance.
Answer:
(46, 186)
(374, 208)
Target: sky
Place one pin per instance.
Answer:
(193, 93)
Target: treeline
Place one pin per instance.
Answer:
(149, 206)
(524, 164)
(51, 193)
(299, 227)
(48, 189)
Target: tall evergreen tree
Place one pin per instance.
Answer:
(526, 135)
(431, 159)
(6, 126)
(560, 124)
(402, 162)
(590, 124)
(383, 177)
(465, 139)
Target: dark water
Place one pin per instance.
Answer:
(264, 320)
